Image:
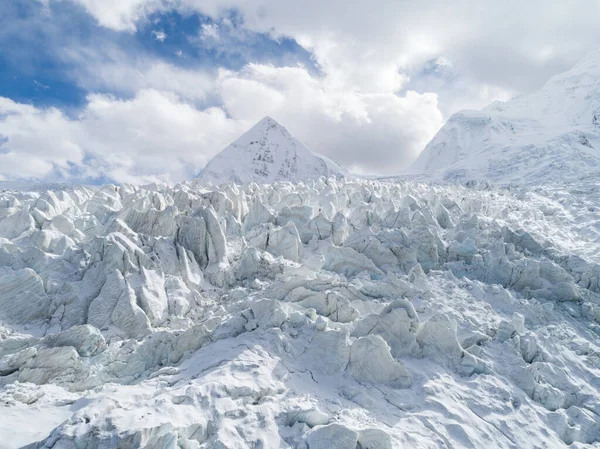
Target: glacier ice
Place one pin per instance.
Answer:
(326, 313)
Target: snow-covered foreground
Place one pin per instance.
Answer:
(324, 315)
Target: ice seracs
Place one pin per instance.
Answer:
(547, 136)
(325, 313)
(265, 154)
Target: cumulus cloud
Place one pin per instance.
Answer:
(513, 45)
(366, 132)
(36, 141)
(120, 15)
(387, 76)
(159, 136)
(128, 77)
(152, 137)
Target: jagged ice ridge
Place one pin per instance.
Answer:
(324, 314)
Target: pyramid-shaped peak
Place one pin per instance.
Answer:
(267, 123)
(265, 154)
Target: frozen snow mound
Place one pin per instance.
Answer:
(265, 154)
(321, 314)
(552, 135)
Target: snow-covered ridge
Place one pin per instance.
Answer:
(547, 136)
(265, 154)
(325, 314)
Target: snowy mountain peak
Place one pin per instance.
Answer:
(265, 154)
(269, 122)
(549, 135)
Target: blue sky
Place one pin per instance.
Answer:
(34, 70)
(150, 90)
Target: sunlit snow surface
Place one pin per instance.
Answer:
(549, 135)
(326, 314)
(267, 153)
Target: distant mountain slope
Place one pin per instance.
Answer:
(265, 154)
(552, 134)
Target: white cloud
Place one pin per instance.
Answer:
(388, 75)
(121, 15)
(159, 35)
(209, 31)
(40, 86)
(153, 136)
(39, 140)
(366, 132)
(111, 69)
(157, 135)
(372, 47)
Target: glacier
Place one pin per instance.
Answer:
(278, 302)
(321, 314)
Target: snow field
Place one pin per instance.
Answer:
(323, 314)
